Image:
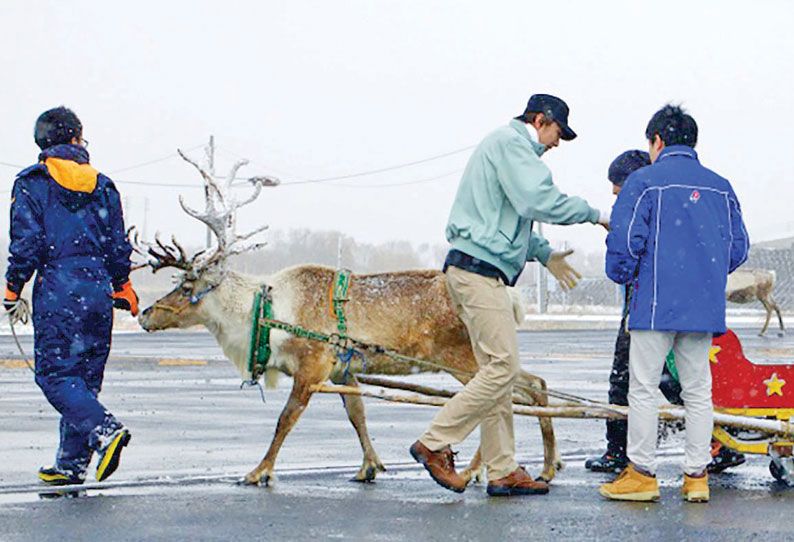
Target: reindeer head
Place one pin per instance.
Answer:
(203, 272)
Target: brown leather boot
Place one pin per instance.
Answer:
(440, 465)
(517, 482)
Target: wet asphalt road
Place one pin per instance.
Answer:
(195, 433)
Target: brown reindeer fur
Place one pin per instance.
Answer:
(748, 285)
(408, 311)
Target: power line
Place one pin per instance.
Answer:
(296, 182)
(416, 181)
(155, 161)
(375, 171)
(389, 168)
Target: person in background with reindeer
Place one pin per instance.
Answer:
(677, 232)
(614, 459)
(504, 188)
(67, 226)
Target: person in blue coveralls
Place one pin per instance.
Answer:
(67, 227)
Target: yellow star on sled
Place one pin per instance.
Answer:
(713, 353)
(774, 386)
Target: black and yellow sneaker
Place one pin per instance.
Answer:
(53, 476)
(110, 455)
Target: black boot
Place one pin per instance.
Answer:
(723, 457)
(607, 463)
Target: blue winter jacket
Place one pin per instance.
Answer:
(65, 213)
(676, 231)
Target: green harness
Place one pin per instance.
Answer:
(260, 334)
(263, 322)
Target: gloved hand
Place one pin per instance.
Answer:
(17, 308)
(566, 275)
(125, 298)
(603, 219)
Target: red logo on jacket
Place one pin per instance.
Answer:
(694, 196)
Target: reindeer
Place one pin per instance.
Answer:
(747, 285)
(409, 312)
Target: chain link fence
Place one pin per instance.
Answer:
(596, 294)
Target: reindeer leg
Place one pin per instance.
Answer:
(768, 316)
(296, 404)
(475, 472)
(779, 319)
(551, 454)
(355, 412)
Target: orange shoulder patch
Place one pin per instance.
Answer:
(71, 175)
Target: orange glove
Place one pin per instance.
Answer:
(125, 298)
(11, 299)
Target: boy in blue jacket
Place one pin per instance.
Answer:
(676, 233)
(67, 226)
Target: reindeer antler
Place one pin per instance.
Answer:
(158, 254)
(220, 213)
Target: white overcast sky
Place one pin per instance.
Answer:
(310, 90)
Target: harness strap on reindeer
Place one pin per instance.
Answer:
(263, 322)
(260, 335)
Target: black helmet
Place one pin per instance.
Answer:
(57, 126)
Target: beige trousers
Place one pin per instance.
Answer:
(484, 306)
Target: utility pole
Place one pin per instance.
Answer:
(146, 217)
(211, 157)
(339, 251)
(564, 291)
(542, 280)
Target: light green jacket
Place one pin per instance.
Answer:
(504, 188)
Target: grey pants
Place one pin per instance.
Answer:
(646, 359)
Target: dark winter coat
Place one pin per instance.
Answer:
(676, 231)
(67, 226)
(62, 209)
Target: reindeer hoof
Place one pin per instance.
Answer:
(367, 473)
(548, 474)
(473, 476)
(256, 479)
(246, 481)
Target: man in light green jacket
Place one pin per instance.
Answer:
(504, 189)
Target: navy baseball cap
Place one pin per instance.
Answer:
(625, 164)
(552, 108)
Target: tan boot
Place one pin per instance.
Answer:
(517, 482)
(696, 488)
(631, 485)
(440, 465)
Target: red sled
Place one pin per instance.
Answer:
(759, 390)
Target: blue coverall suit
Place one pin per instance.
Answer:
(67, 225)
